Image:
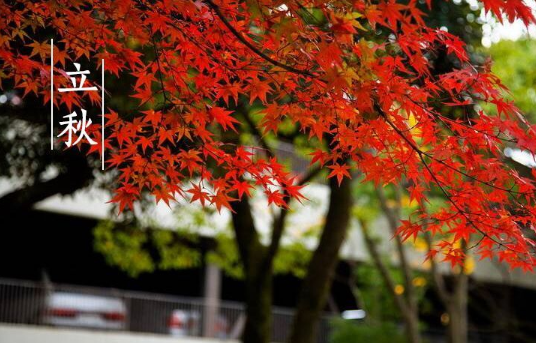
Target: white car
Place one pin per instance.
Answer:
(84, 311)
(184, 323)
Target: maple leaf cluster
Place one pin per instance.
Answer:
(359, 72)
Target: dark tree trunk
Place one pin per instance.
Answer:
(316, 285)
(457, 309)
(258, 272)
(258, 308)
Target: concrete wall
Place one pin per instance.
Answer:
(39, 334)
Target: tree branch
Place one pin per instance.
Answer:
(316, 285)
(269, 151)
(439, 282)
(77, 175)
(278, 226)
(400, 301)
(244, 41)
(393, 217)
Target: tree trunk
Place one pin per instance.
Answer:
(316, 285)
(258, 308)
(455, 301)
(258, 272)
(408, 308)
(412, 326)
(457, 309)
(408, 302)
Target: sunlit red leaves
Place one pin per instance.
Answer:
(162, 194)
(293, 191)
(258, 90)
(125, 196)
(242, 187)
(408, 229)
(339, 171)
(157, 22)
(145, 142)
(370, 102)
(223, 117)
(514, 9)
(228, 91)
(221, 199)
(198, 194)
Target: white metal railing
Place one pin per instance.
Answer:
(38, 303)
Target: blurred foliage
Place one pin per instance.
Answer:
(291, 259)
(515, 63)
(376, 299)
(371, 290)
(173, 254)
(347, 331)
(459, 18)
(136, 251)
(22, 148)
(123, 247)
(367, 204)
(226, 256)
(137, 247)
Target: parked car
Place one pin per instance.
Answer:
(221, 328)
(84, 311)
(183, 323)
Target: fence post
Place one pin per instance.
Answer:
(211, 301)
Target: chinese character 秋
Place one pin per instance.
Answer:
(73, 126)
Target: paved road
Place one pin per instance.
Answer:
(37, 334)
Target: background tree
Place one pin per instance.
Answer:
(406, 300)
(404, 283)
(519, 77)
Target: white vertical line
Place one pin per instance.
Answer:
(52, 94)
(102, 109)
